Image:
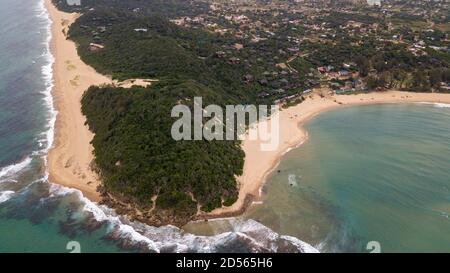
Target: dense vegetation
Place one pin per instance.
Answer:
(139, 159)
(165, 8)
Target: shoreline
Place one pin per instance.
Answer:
(259, 165)
(70, 158)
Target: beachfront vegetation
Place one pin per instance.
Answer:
(139, 159)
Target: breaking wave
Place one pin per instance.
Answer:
(441, 105)
(46, 142)
(15, 168)
(437, 104)
(5, 196)
(245, 236)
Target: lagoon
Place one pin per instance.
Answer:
(368, 173)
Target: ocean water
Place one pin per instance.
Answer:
(378, 174)
(34, 215)
(37, 216)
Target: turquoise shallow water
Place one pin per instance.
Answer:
(368, 173)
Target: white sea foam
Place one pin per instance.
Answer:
(445, 214)
(255, 236)
(12, 169)
(441, 105)
(292, 180)
(437, 104)
(5, 196)
(47, 137)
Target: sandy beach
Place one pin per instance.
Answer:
(71, 157)
(69, 161)
(259, 164)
